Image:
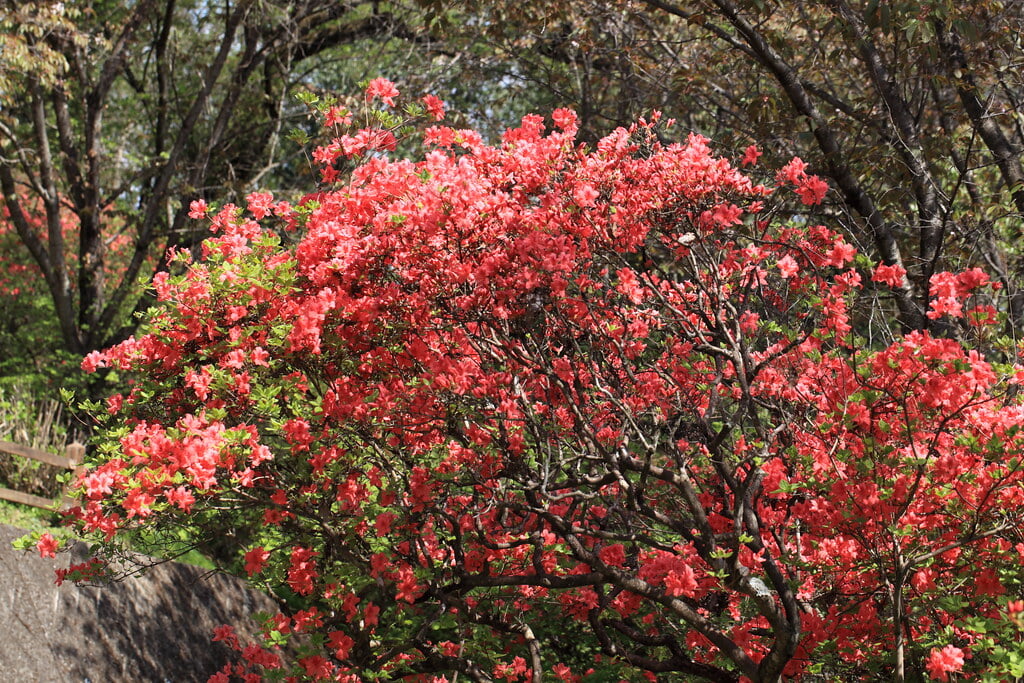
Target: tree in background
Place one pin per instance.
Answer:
(911, 111)
(540, 411)
(114, 112)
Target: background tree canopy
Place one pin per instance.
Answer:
(114, 113)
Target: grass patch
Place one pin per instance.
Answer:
(30, 518)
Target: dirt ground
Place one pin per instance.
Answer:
(153, 628)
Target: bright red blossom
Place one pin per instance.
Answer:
(337, 116)
(941, 663)
(47, 545)
(435, 107)
(890, 275)
(256, 560)
(383, 89)
(750, 156)
(198, 209)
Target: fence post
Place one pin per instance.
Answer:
(75, 453)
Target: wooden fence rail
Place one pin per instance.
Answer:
(71, 459)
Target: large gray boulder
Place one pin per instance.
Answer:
(156, 627)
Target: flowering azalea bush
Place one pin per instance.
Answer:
(534, 411)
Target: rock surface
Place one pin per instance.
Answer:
(153, 628)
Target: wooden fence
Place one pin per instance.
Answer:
(71, 459)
